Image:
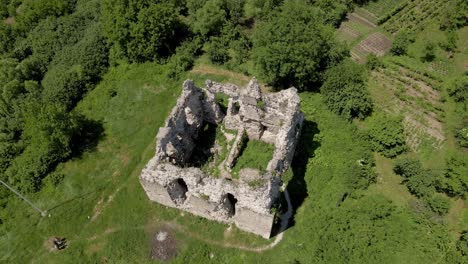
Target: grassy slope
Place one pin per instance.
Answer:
(103, 185)
(445, 68)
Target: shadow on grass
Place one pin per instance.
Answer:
(87, 135)
(297, 186)
(76, 198)
(305, 150)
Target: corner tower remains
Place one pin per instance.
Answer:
(201, 141)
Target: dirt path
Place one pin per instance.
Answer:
(284, 224)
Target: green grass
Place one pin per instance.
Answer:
(382, 7)
(255, 155)
(388, 183)
(125, 219)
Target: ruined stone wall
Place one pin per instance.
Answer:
(206, 195)
(274, 118)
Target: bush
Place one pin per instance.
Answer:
(345, 90)
(141, 30)
(218, 51)
(458, 89)
(362, 173)
(419, 181)
(454, 181)
(429, 52)
(293, 47)
(209, 19)
(386, 135)
(401, 42)
(373, 62)
(407, 167)
(439, 204)
(54, 179)
(184, 58)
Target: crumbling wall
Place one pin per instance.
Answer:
(273, 118)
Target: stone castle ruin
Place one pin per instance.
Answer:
(192, 169)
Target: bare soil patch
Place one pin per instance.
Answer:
(163, 244)
(10, 21)
(376, 43)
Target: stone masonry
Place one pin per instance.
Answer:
(170, 179)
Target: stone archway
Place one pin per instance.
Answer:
(177, 190)
(227, 206)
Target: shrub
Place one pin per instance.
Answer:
(439, 204)
(407, 167)
(421, 185)
(54, 179)
(386, 135)
(209, 19)
(373, 62)
(362, 173)
(419, 181)
(429, 51)
(458, 89)
(401, 42)
(184, 58)
(345, 90)
(218, 51)
(454, 181)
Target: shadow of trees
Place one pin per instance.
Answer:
(297, 186)
(87, 135)
(305, 149)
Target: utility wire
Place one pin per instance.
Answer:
(43, 213)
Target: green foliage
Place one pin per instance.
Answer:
(439, 204)
(345, 90)
(217, 51)
(140, 30)
(462, 244)
(260, 8)
(209, 19)
(223, 101)
(255, 155)
(75, 69)
(6, 38)
(429, 52)
(362, 173)
(386, 135)
(458, 89)
(407, 167)
(334, 11)
(48, 129)
(54, 179)
(401, 42)
(361, 225)
(455, 15)
(184, 58)
(373, 62)
(454, 180)
(293, 47)
(419, 181)
(32, 11)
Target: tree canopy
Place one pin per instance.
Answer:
(293, 47)
(345, 90)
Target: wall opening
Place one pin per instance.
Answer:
(231, 204)
(204, 144)
(177, 190)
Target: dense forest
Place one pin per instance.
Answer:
(56, 55)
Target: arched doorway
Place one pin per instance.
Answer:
(177, 190)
